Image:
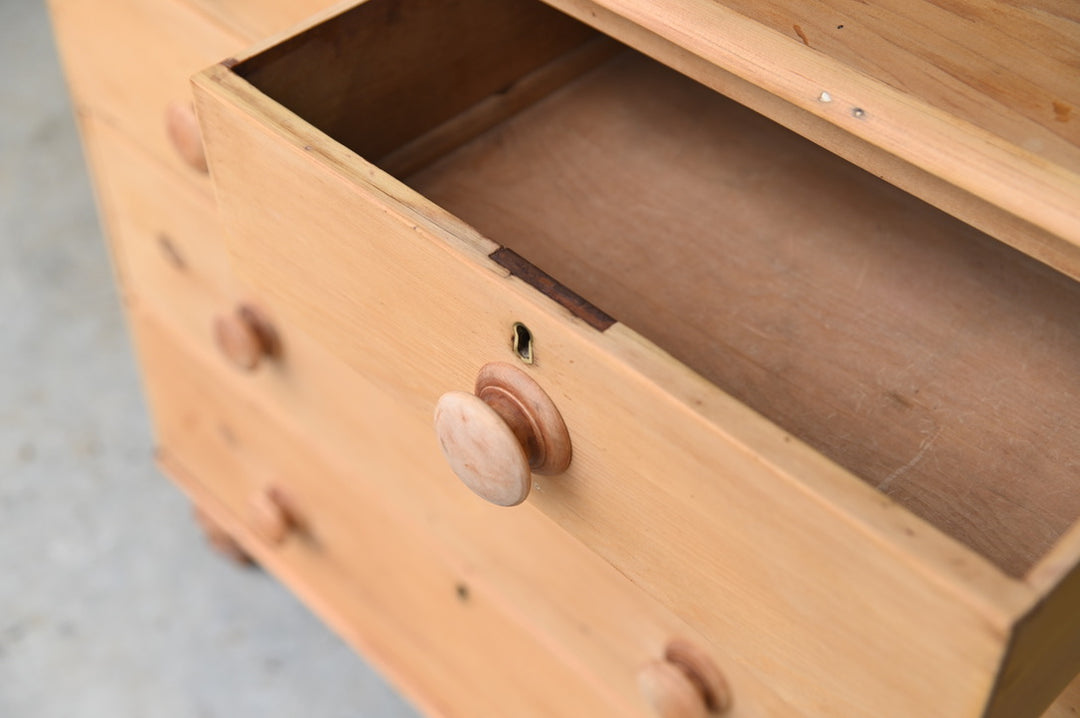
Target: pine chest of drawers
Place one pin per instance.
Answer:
(758, 322)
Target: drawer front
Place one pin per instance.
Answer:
(777, 556)
(165, 235)
(128, 64)
(168, 246)
(509, 617)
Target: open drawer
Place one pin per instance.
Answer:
(829, 425)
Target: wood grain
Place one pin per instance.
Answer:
(1067, 704)
(427, 581)
(1043, 655)
(1009, 68)
(739, 514)
(164, 234)
(930, 360)
(127, 61)
(254, 20)
(736, 79)
(471, 51)
(935, 133)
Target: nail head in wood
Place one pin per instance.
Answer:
(182, 127)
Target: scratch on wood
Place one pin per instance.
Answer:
(923, 448)
(801, 34)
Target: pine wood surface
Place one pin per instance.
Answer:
(697, 481)
(104, 77)
(930, 360)
(1067, 704)
(436, 588)
(141, 198)
(127, 61)
(947, 126)
(1006, 67)
(484, 45)
(164, 232)
(254, 20)
(808, 119)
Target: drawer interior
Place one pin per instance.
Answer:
(932, 361)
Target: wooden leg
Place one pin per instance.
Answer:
(221, 540)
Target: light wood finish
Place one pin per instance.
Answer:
(496, 438)
(696, 663)
(698, 481)
(892, 78)
(165, 237)
(899, 342)
(254, 20)
(270, 516)
(685, 684)
(529, 412)
(182, 127)
(428, 584)
(811, 123)
(482, 449)
(882, 368)
(128, 61)
(671, 692)
(245, 337)
(291, 416)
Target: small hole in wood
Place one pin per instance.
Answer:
(523, 342)
(462, 592)
(171, 253)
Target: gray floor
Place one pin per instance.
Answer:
(110, 603)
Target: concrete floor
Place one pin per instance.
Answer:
(110, 602)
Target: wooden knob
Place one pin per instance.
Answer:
(685, 684)
(269, 516)
(670, 691)
(244, 337)
(182, 126)
(497, 437)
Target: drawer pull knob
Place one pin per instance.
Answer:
(182, 126)
(497, 437)
(685, 684)
(244, 337)
(269, 516)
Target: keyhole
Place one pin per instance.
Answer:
(523, 342)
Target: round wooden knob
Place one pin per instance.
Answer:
(244, 337)
(497, 437)
(670, 691)
(269, 516)
(182, 126)
(685, 684)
